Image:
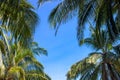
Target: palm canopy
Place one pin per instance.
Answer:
(18, 18)
(17, 51)
(96, 12)
(91, 68)
(32, 68)
(99, 40)
(22, 64)
(102, 64)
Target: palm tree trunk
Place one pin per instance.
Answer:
(2, 67)
(112, 74)
(104, 71)
(1, 60)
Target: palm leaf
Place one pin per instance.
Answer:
(83, 67)
(16, 73)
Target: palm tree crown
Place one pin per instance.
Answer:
(102, 64)
(17, 50)
(97, 13)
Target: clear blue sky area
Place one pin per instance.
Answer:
(63, 49)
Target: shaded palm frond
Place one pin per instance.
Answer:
(84, 67)
(35, 76)
(63, 12)
(83, 14)
(40, 2)
(16, 73)
(21, 55)
(38, 50)
(20, 19)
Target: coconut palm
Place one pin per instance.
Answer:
(17, 25)
(99, 13)
(92, 68)
(102, 64)
(31, 67)
(22, 64)
(18, 18)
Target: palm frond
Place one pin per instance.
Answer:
(83, 67)
(35, 76)
(38, 50)
(117, 49)
(40, 2)
(20, 19)
(16, 73)
(95, 73)
(83, 15)
(22, 54)
(63, 12)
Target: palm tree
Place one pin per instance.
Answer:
(92, 68)
(22, 64)
(32, 68)
(102, 64)
(17, 25)
(97, 13)
(18, 18)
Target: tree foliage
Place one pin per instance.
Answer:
(17, 50)
(102, 64)
(98, 13)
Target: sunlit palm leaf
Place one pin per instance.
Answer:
(16, 73)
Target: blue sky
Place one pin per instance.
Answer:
(63, 49)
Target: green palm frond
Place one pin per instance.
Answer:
(103, 64)
(37, 65)
(25, 59)
(98, 40)
(20, 19)
(63, 12)
(35, 76)
(38, 50)
(116, 65)
(84, 67)
(21, 55)
(94, 67)
(105, 16)
(84, 14)
(117, 49)
(95, 73)
(16, 73)
(95, 12)
(18, 22)
(101, 16)
(42, 1)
